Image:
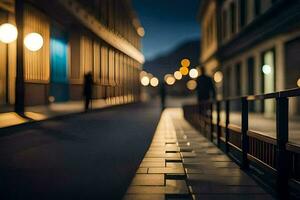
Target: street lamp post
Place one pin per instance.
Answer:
(19, 92)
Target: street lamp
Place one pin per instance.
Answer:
(267, 69)
(8, 33)
(218, 77)
(193, 73)
(191, 85)
(178, 75)
(154, 82)
(145, 81)
(33, 41)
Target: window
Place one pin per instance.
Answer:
(233, 17)
(257, 7)
(224, 24)
(238, 79)
(243, 12)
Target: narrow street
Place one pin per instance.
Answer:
(85, 156)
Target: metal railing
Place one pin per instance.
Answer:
(276, 157)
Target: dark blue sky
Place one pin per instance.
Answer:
(167, 23)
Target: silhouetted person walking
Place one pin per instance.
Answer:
(87, 90)
(205, 90)
(162, 93)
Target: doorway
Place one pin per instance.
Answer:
(59, 87)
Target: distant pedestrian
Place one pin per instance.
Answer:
(205, 90)
(87, 90)
(163, 95)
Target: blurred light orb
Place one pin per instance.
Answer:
(150, 75)
(154, 82)
(178, 75)
(167, 76)
(267, 69)
(145, 81)
(185, 62)
(193, 73)
(184, 71)
(170, 80)
(8, 33)
(33, 41)
(218, 77)
(298, 82)
(142, 74)
(191, 85)
(141, 31)
(51, 99)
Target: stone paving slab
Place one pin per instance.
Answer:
(183, 164)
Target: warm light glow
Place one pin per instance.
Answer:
(141, 31)
(142, 74)
(298, 82)
(51, 99)
(170, 80)
(184, 71)
(178, 75)
(150, 75)
(166, 76)
(267, 69)
(193, 73)
(8, 33)
(185, 62)
(218, 77)
(154, 82)
(33, 41)
(145, 81)
(191, 84)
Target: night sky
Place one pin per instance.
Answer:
(167, 23)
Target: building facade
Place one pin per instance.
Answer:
(257, 46)
(79, 36)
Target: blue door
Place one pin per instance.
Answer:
(59, 87)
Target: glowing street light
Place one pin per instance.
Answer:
(184, 71)
(8, 33)
(33, 41)
(145, 81)
(193, 73)
(218, 77)
(178, 75)
(185, 62)
(154, 82)
(191, 85)
(267, 69)
(170, 80)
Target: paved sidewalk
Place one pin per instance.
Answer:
(182, 164)
(38, 113)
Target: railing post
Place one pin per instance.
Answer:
(218, 124)
(211, 122)
(227, 110)
(245, 138)
(282, 132)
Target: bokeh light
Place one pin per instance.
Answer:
(298, 82)
(267, 69)
(218, 77)
(142, 74)
(193, 73)
(170, 80)
(154, 82)
(184, 71)
(178, 75)
(33, 41)
(145, 81)
(191, 84)
(8, 33)
(185, 62)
